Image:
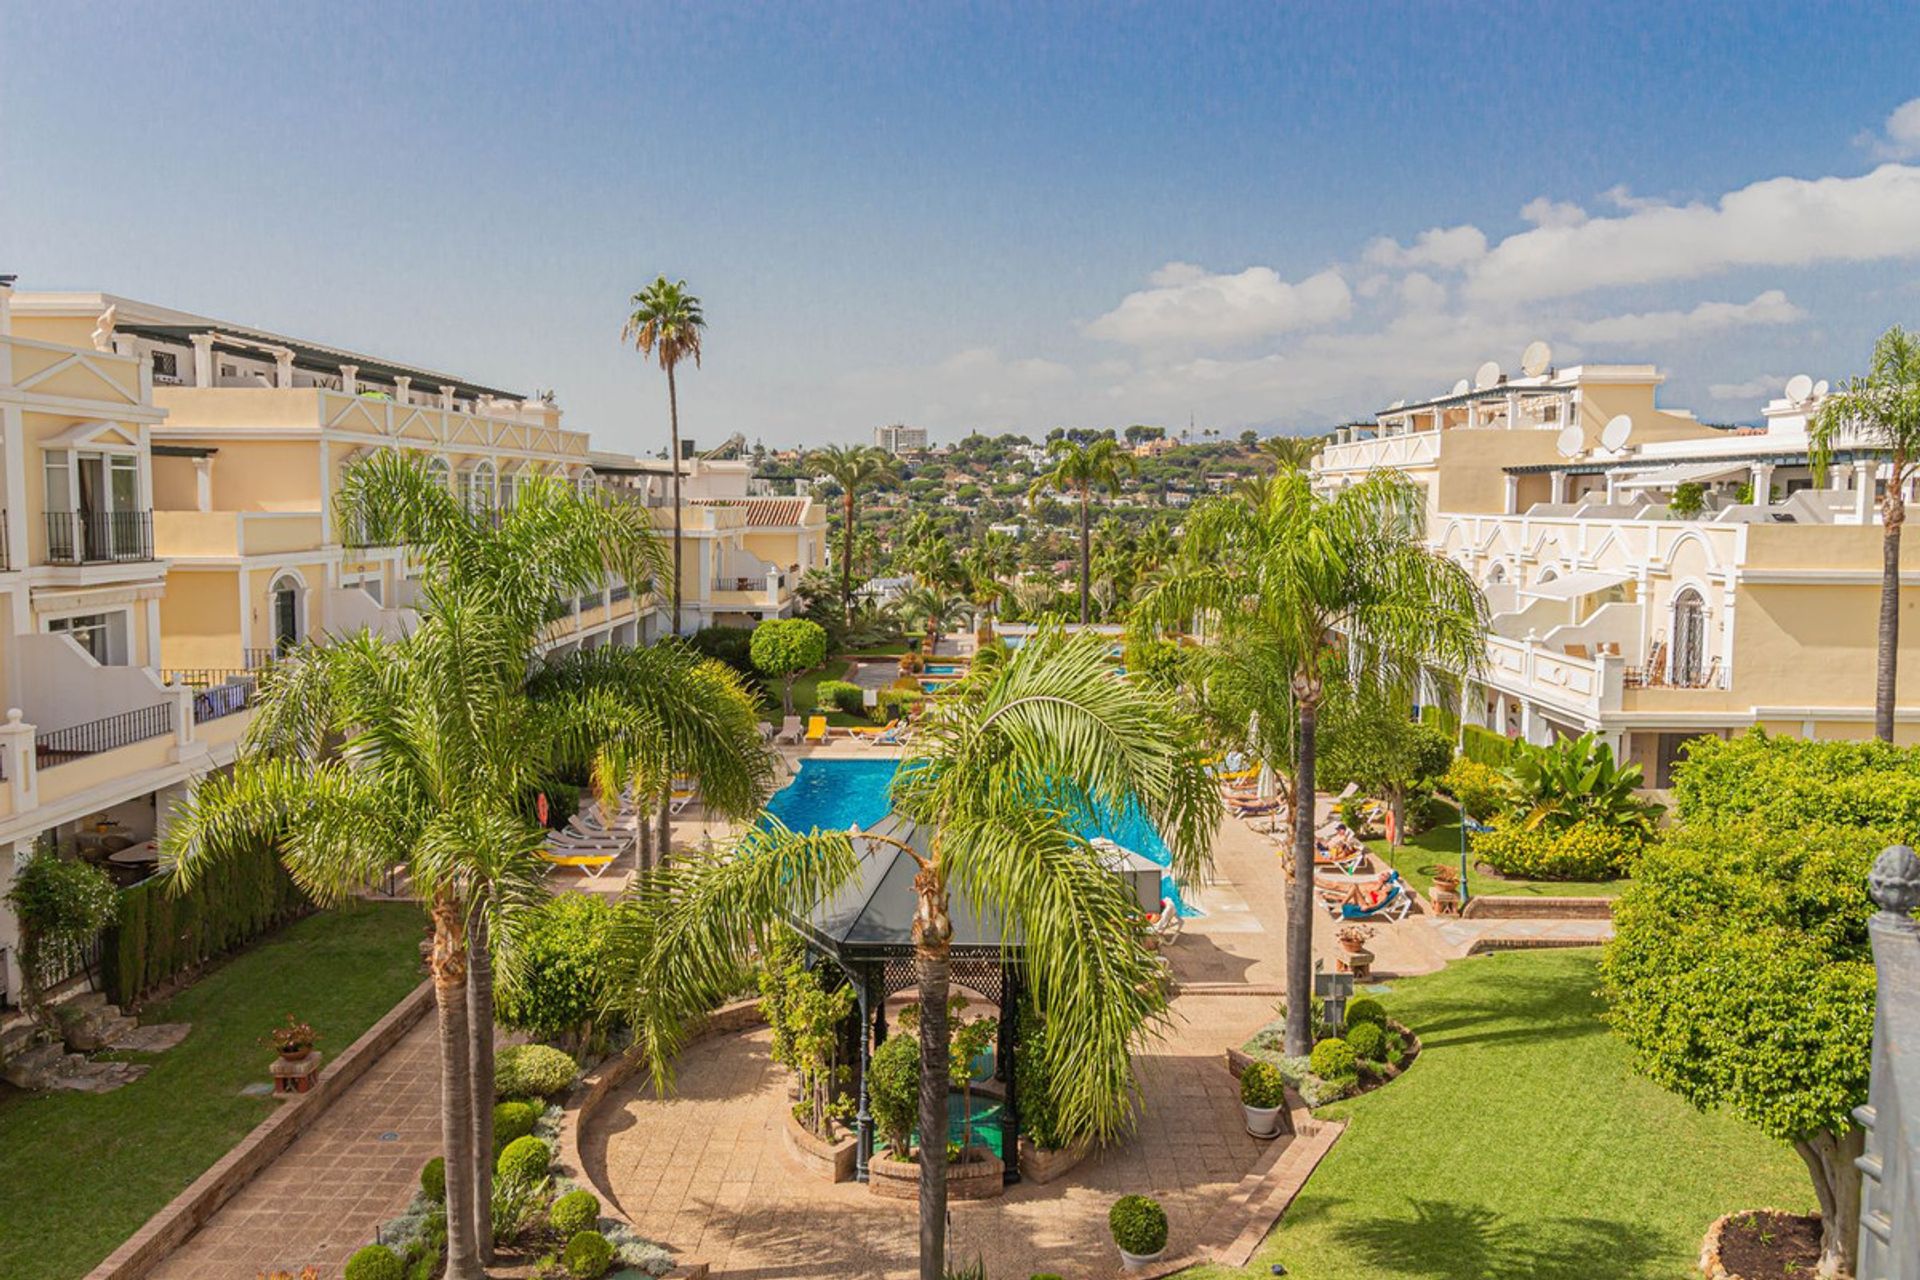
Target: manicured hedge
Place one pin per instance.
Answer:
(161, 933)
(1791, 783)
(1485, 746)
(1438, 717)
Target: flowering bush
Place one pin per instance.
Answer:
(1588, 850)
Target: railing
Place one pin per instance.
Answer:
(6, 548)
(99, 537)
(73, 961)
(1890, 1164)
(620, 592)
(754, 583)
(1654, 675)
(258, 659)
(109, 733)
(206, 677)
(222, 701)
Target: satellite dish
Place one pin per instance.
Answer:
(1536, 358)
(1568, 441)
(1799, 387)
(1820, 389)
(1615, 434)
(1487, 375)
(1460, 387)
(1397, 404)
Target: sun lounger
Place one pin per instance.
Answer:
(766, 732)
(1165, 929)
(817, 729)
(789, 731)
(681, 799)
(592, 865)
(1395, 900)
(873, 731)
(1254, 808)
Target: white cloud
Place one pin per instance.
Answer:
(1421, 292)
(1899, 138)
(1650, 327)
(1442, 247)
(1188, 307)
(1776, 222)
(1752, 389)
(1542, 212)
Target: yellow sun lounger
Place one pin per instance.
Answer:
(593, 864)
(871, 731)
(817, 729)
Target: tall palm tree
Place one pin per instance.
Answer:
(852, 467)
(931, 606)
(1879, 412)
(666, 323)
(1282, 584)
(1001, 781)
(1291, 453)
(1079, 469)
(986, 567)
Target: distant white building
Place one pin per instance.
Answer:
(897, 438)
(1011, 530)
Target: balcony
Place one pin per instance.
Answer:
(189, 535)
(53, 747)
(99, 537)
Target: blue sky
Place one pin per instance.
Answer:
(993, 216)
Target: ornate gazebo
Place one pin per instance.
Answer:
(865, 929)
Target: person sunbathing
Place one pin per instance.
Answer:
(1364, 894)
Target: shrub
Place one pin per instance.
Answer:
(374, 1262)
(784, 647)
(1368, 1042)
(1333, 1060)
(61, 904)
(731, 645)
(562, 984)
(518, 1194)
(433, 1178)
(1481, 789)
(533, 1070)
(527, 1158)
(1363, 1009)
(1577, 780)
(1139, 1224)
(1485, 746)
(512, 1120)
(1791, 783)
(841, 696)
(1588, 850)
(588, 1255)
(575, 1212)
(893, 1091)
(1033, 1082)
(1261, 1086)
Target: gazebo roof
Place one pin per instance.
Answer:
(871, 915)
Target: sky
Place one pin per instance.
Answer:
(995, 217)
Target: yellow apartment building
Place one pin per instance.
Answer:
(1652, 578)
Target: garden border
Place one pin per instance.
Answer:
(187, 1212)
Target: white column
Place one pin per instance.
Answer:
(23, 776)
(282, 367)
(1863, 474)
(164, 800)
(1513, 494)
(203, 484)
(203, 366)
(446, 397)
(1559, 486)
(1762, 483)
(350, 379)
(1513, 410)
(401, 385)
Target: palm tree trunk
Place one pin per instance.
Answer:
(664, 839)
(456, 1088)
(1300, 907)
(480, 1073)
(933, 933)
(1086, 558)
(846, 565)
(1886, 674)
(673, 427)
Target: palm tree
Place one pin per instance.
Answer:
(931, 606)
(1002, 781)
(1283, 585)
(986, 568)
(1078, 469)
(1879, 411)
(1291, 453)
(853, 468)
(666, 323)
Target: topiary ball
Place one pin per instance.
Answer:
(532, 1071)
(1139, 1225)
(1333, 1060)
(574, 1212)
(1261, 1086)
(588, 1255)
(512, 1120)
(433, 1178)
(525, 1158)
(1368, 1042)
(375, 1262)
(1366, 1009)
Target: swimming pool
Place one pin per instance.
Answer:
(945, 669)
(836, 794)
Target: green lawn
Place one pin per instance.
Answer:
(1518, 1146)
(891, 649)
(805, 692)
(1416, 859)
(80, 1173)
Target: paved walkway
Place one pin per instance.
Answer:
(339, 1181)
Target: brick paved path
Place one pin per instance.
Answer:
(336, 1184)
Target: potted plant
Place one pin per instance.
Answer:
(294, 1040)
(1263, 1096)
(1353, 937)
(1139, 1227)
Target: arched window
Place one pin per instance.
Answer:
(478, 487)
(287, 592)
(1689, 638)
(437, 468)
(586, 482)
(506, 490)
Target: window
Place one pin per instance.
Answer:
(438, 470)
(166, 364)
(1689, 638)
(286, 613)
(102, 635)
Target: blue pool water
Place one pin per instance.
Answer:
(836, 794)
(945, 669)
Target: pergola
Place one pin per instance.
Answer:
(866, 929)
